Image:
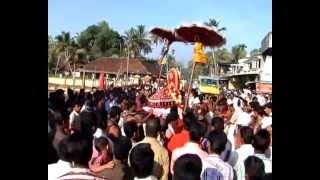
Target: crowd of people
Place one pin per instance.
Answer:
(107, 134)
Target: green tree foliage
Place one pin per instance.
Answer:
(200, 69)
(138, 41)
(255, 52)
(99, 40)
(52, 55)
(214, 23)
(239, 52)
(66, 48)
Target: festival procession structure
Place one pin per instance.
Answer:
(201, 36)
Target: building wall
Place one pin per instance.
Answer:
(266, 74)
(58, 81)
(266, 42)
(69, 81)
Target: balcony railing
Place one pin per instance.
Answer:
(239, 72)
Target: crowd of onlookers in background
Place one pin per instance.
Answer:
(106, 134)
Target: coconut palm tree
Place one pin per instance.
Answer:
(156, 39)
(143, 39)
(66, 49)
(51, 53)
(138, 41)
(239, 52)
(214, 23)
(131, 42)
(220, 56)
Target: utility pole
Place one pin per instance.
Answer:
(128, 64)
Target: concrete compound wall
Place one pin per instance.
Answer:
(69, 82)
(58, 81)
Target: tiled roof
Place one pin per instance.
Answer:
(113, 66)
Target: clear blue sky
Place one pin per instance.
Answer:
(247, 21)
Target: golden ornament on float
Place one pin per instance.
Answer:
(198, 54)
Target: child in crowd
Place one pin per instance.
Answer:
(104, 158)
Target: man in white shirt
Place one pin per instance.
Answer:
(193, 98)
(61, 167)
(244, 149)
(267, 121)
(244, 118)
(214, 167)
(74, 118)
(261, 100)
(58, 169)
(261, 143)
(191, 147)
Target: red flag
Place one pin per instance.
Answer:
(101, 81)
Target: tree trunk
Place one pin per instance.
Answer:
(55, 73)
(74, 70)
(84, 79)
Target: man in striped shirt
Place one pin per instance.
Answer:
(78, 153)
(214, 167)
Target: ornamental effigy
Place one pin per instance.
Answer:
(170, 94)
(167, 96)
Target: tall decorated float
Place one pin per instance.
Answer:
(200, 36)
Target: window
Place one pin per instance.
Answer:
(208, 82)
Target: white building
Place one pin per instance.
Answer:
(260, 65)
(266, 47)
(250, 65)
(255, 70)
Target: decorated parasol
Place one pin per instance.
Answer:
(201, 35)
(168, 36)
(197, 32)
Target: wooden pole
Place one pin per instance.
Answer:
(83, 79)
(127, 79)
(189, 87)
(71, 74)
(73, 77)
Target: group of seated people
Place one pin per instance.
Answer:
(108, 135)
